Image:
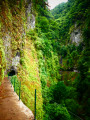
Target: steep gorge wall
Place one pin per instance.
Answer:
(15, 22)
(76, 34)
(17, 51)
(12, 32)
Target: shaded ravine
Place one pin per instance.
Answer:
(10, 106)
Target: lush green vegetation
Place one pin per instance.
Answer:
(63, 98)
(2, 61)
(52, 57)
(13, 24)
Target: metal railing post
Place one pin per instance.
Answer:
(35, 104)
(14, 84)
(8, 77)
(11, 82)
(19, 90)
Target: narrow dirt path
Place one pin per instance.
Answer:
(10, 106)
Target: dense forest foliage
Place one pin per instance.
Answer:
(67, 98)
(65, 92)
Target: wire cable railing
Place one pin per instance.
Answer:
(16, 84)
(18, 88)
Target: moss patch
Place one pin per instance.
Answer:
(2, 62)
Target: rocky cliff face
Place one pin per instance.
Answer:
(7, 48)
(30, 17)
(17, 53)
(76, 35)
(13, 30)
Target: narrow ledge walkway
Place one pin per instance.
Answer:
(10, 106)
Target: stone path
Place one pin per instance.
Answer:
(10, 106)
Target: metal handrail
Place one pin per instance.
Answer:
(35, 99)
(22, 91)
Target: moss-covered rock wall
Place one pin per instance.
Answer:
(15, 20)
